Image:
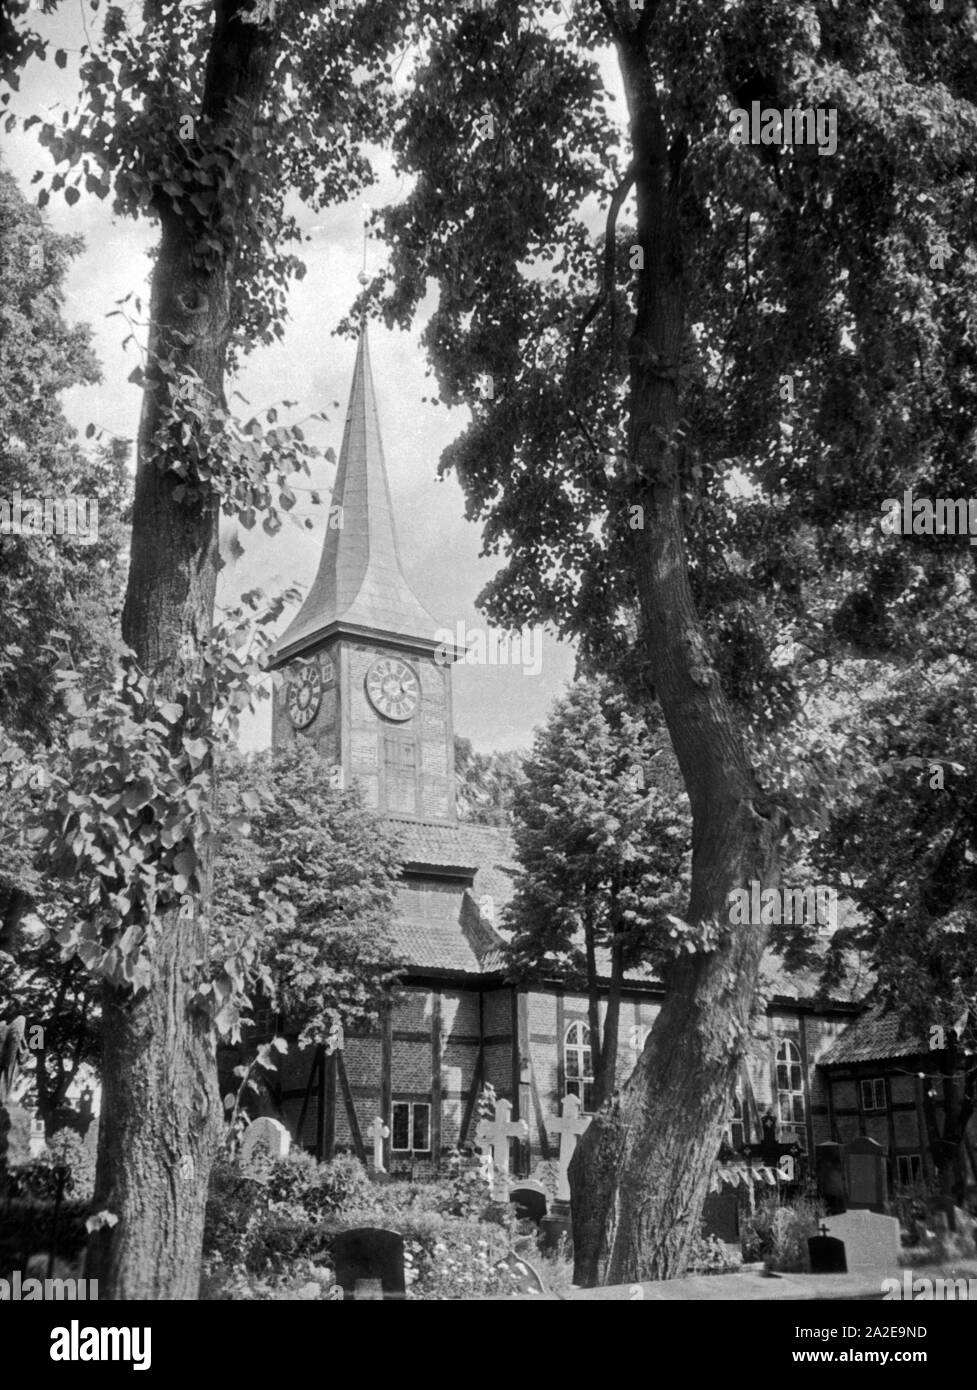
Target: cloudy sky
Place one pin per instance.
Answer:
(497, 707)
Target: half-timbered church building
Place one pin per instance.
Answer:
(367, 682)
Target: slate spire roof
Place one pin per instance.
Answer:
(360, 588)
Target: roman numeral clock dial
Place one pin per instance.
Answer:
(303, 695)
(392, 688)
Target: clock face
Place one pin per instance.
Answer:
(392, 688)
(303, 694)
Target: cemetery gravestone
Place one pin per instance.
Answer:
(867, 1182)
(529, 1199)
(827, 1253)
(871, 1241)
(378, 1132)
(369, 1264)
(569, 1127)
(721, 1216)
(270, 1133)
(493, 1136)
(830, 1170)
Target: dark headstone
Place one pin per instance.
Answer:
(830, 1173)
(530, 1201)
(721, 1216)
(868, 1185)
(368, 1255)
(827, 1254)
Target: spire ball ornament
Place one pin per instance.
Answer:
(363, 278)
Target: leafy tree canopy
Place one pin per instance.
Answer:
(328, 868)
(601, 830)
(59, 593)
(486, 784)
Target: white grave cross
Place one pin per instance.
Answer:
(569, 1128)
(379, 1131)
(493, 1136)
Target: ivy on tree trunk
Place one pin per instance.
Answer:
(161, 1115)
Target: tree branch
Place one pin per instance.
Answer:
(610, 246)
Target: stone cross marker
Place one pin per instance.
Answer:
(266, 1131)
(494, 1136)
(378, 1132)
(569, 1128)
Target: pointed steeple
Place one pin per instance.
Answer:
(360, 588)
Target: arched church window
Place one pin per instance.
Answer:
(578, 1065)
(790, 1094)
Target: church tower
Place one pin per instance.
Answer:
(364, 678)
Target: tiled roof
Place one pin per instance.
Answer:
(874, 1037)
(464, 938)
(483, 857)
(484, 849)
(460, 945)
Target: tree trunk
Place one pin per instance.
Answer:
(640, 1175)
(605, 1079)
(947, 1142)
(593, 1012)
(160, 1121)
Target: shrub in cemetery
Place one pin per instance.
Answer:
(709, 1255)
(453, 1259)
(448, 1256)
(269, 1233)
(928, 1239)
(777, 1233)
(306, 1282)
(279, 1239)
(289, 1178)
(465, 1192)
(340, 1185)
(65, 1157)
(236, 1205)
(27, 1229)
